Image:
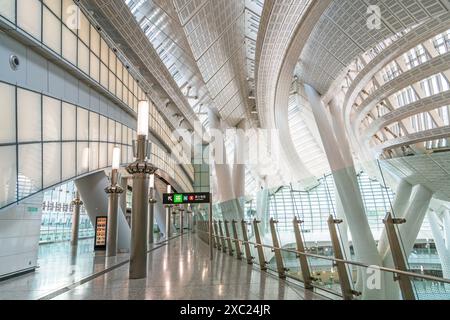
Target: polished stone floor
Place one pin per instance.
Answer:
(179, 269)
(59, 266)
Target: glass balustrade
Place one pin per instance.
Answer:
(272, 226)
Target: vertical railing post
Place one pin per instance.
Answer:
(216, 231)
(237, 245)
(214, 236)
(222, 240)
(210, 228)
(248, 252)
(306, 273)
(277, 250)
(347, 292)
(258, 246)
(227, 233)
(398, 257)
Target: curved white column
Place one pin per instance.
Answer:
(349, 193)
(223, 174)
(440, 240)
(414, 215)
(92, 191)
(446, 219)
(240, 146)
(262, 210)
(402, 196)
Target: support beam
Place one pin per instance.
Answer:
(77, 203)
(402, 196)
(414, 214)
(349, 192)
(439, 227)
(92, 191)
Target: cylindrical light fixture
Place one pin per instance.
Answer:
(151, 209)
(141, 170)
(143, 114)
(116, 158)
(168, 215)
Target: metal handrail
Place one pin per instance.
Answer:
(359, 264)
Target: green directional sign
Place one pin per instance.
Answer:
(177, 198)
(186, 198)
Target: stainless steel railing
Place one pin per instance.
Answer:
(224, 243)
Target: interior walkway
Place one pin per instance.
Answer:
(179, 269)
(59, 266)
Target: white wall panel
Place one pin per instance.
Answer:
(19, 236)
(69, 117)
(69, 46)
(93, 156)
(8, 178)
(30, 169)
(8, 113)
(7, 9)
(51, 113)
(29, 115)
(83, 154)
(94, 123)
(82, 124)
(29, 17)
(52, 164)
(68, 160)
(51, 31)
(83, 57)
(54, 6)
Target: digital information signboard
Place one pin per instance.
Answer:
(101, 224)
(186, 198)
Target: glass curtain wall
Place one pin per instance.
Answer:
(57, 210)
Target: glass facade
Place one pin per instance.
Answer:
(57, 213)
(66, 31)
(51, 141)
(314, 206)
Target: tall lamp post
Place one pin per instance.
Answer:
(113, 191)
(190, 218)
(151, 209)
(77, 203)
(181, 211)
(168, 214)
(140, 170)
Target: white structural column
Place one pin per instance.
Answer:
(239, 161)
(414, 214)
(238, 174)
(343, 227)
(92, 191)
(339, 130)
(440, 225)
(402, 196)
(446, 219)
(218, 159)
(262, 210)
(349, 193)
(77, 203)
